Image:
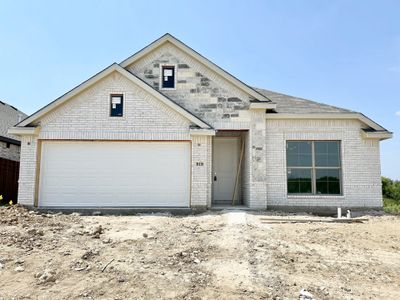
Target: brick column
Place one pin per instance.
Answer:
(257, 189)
(27, 170)
(201, 172)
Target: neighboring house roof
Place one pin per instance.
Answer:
(114, 67)
(294, 105)
(186, 49)
(9, 116)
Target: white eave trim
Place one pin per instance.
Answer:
(380, 135)
(208, 132)
(169, 38)
(262, 105)
(330, 116)
(24, 130)
(114, 67)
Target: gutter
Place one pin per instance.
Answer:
(10, 140)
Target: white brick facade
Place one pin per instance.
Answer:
(224, 106)
(201, 171)
(86, 117)
(27, 170)
(360, 163)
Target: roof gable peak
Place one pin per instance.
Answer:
(183, 47)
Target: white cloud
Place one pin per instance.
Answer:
(398, 113)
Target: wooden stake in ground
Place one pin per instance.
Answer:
(238, 172)
(102, 270)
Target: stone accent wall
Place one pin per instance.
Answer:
(11, 153)
(86, 117)
(361, 179)
(198, 89)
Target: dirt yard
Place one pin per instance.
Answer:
(216, 255)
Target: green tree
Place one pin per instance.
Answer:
(391, 188)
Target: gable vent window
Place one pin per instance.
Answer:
(168, 77)
(116, 105)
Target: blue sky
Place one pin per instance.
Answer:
(344, 53)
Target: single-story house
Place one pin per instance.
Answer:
(167, 128)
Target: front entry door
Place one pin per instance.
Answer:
(225, 167)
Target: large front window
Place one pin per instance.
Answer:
(313, 167)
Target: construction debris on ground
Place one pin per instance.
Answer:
(216, 255)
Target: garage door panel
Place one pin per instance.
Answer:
(112, 174)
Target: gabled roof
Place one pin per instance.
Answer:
(113, 68)
(180, 45)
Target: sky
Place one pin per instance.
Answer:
(344, 53)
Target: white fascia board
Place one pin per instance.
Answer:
(208, 132)
(169, 38)
(380, 135)
(330, 116)
(80, 88)
(24, 130)
(114, 67)
(262, 105)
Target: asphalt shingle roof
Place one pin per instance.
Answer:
(294, 105)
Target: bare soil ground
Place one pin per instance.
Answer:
(224, 255)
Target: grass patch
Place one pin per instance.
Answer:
(391, 206)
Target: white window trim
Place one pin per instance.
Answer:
(161, 76)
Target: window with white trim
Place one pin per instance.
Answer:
(313, 167)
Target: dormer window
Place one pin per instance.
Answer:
(116, 105)
(168, 77)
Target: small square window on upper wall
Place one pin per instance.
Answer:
(116, 105)
(168, 77)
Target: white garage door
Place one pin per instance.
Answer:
(115, 174)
